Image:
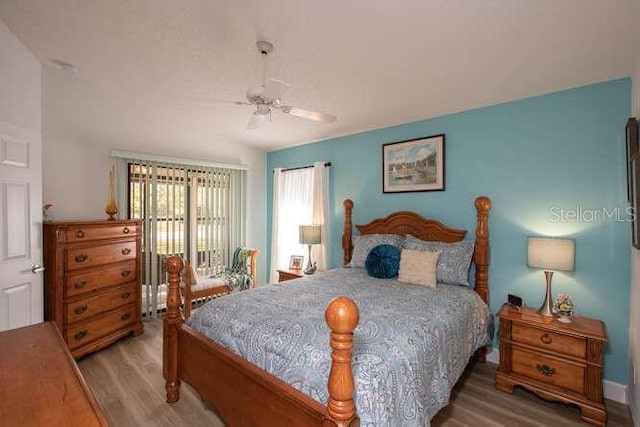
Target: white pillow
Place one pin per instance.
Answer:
(418, 267)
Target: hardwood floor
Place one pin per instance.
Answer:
(126, 378)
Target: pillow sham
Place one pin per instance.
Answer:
(454, 261)
(383, 262)
(418, 267)
(362, 244)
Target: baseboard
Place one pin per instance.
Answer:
(635, 412)
(612, 391)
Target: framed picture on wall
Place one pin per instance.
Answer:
(413, 165)
(632, 149)
(634, 172)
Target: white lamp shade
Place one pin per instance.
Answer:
(551, 253)
(310, 234)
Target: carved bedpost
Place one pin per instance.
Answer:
(481, 257)
(342, 316)
(172, 321)
(347, 244)
(481, 251)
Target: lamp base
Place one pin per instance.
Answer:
(545, 310)
(311, 269)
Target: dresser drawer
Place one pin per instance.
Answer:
(91, 256)
(82, 334)
(548, 370)
(83, 282)
(84, 233)
(85, 308)
(565, 344)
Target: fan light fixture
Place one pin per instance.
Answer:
(268, 98)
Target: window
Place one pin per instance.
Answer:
(300, 197)
(193, 211)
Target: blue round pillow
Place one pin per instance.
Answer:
(383, 262)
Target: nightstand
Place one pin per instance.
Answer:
(284, 275)
(557, 361)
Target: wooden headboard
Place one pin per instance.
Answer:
(405, 222)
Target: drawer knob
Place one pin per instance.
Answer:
(82, 257)
(81, 309)
(79, 234)
(546, 339)
(125, 273)
(125, 230)
(125, 295)
(126, 251)
(79, 283)
(125, 316)
(80, 335)
(546, 370)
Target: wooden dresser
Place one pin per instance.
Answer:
(92, 281)
(40, 383)
(557, 361)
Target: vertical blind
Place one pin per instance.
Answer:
(194, 211)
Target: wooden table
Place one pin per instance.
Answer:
(40, 383)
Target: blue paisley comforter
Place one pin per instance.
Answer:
(410, 347)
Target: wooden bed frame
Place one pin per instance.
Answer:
(245, 395)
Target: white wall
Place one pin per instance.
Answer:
(76, 163)
(20, 83)
(634, 299)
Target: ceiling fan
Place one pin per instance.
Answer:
(268, 97)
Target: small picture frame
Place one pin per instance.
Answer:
(414, 165)
(296, 262)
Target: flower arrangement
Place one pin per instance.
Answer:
(564, 306)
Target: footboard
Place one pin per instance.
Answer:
(242, 393)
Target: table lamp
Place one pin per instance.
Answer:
(310, 235)
(551, 254)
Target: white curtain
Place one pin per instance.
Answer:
(320, 213)
(300, 197)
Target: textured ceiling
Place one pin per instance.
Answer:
(170, 70)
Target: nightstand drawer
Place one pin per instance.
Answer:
(548, 370)
(565, 344)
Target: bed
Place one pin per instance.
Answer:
(245, 394)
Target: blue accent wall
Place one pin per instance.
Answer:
(552, 165)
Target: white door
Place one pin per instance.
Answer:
(21, 294)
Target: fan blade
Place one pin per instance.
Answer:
(256, 120)
(306, 114)
(274, 89)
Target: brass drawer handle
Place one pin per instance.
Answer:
(79, 283)
(545, 370)
(81, 309)
(80, 335)
(125, 273)
(82, 257)
(125, 230)
(126, 251)
(546, 339)
(125, 316)
(79, 234)
(125, 295)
